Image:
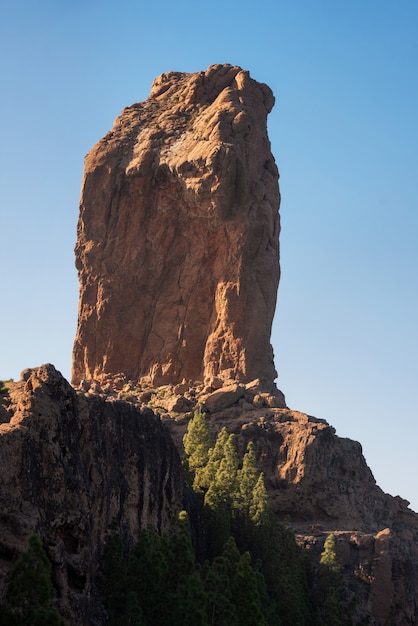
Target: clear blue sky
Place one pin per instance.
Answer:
(344, 132)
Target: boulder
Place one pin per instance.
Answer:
(223, 398)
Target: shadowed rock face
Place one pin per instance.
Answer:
(71, 465)
(72, 462)
(178, 236)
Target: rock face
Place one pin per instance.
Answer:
(177, 248)
(322, 484)
(71, 464)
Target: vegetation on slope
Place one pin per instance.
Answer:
(30, 590)
(252, 573)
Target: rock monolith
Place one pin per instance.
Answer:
(178, 236)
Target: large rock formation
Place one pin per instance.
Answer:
(71, 464)
(321, 484)
(178, 261)
(177, 249)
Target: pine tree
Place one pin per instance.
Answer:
(247, 478)
(148, 575)
(245, 594)
(218, 585)
(222, 473)
(330, 589)
(185, 594)
(133, 612)
(114, 581)
(215, 455)
(236, 509)
(329, 555)
(197, 443)
(259, 506)
(284, 570)
(30, 590)
(221, 484)
(231, 584)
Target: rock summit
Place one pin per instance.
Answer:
(178, 236)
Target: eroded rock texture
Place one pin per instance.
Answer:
(321, 484)
(70, 466)
(178, 236)
(72, 462)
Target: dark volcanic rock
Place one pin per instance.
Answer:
(178, 236)
(71, 465)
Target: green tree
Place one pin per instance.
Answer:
(220, 481)
(246, 595)
(236, 509)
(330, 588)
(133, 613)
(197, 443)
(217, 584)
(284, 567)
(164, 580)
(252, 503)
(147, 578)
(329, 555)
(215, 455)
(223, 488)
(247, 478)
(259, 505)
(113, 583)
(30, 590)
(218, 579)
(185, 594)
(231, 584)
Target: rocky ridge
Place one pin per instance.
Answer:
(74, 460)
(72, 464)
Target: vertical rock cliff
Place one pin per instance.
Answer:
(71, 465)
(178, 236)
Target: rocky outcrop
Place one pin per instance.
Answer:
(320, 484)
(177, 248)
(71, 464)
